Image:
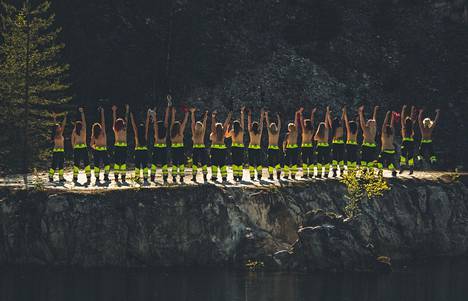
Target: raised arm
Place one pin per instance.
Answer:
(135, 131)
(213, 121)
(362, 121)
(103, 120)
(155, 121)
(262, 113)
(385, 123)
(267, 120)
(83, 117)
(114, 116)
(279, 122)
(413, 114)
(374, 116)
(436, 119)
(242, 118)
(327, 118)
(392, 120)
(403, 117)
(249, 120)
(184, 122)
(147, 123)
(127, 111)
(312, 116)
(345, 117)
(420, 119)
(173, 112)
(205, 118)
(301, 118)
(166, 117)
(296, 117)
(227, 121)
(192, 117)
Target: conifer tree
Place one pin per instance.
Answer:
(32, 83)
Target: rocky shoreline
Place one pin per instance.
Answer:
(296, 227)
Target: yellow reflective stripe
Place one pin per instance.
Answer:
(218, 146)
(338, 141)
(408, 139)
(120, 144)
(100, 148)
(273, 147)
(58, 150)
(369, 144)
(322, 144)
(198, 146)
(351, 142)
(389, 151)
(141, 148)
(426, 141)
(237, 145)
(254, 146)
(80, 145)
(159, 145)
(291, 146)
(307, 145)
(176, 145)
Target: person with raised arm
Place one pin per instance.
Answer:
(274, 153)
(307, 147)
(80, 148)
(200, 154)
(351, 142)
(254, 149)
(291, 148)
(98, 144)
(58, 152)
(119, 127)
(338, 144)
(407, 136)
(387, 157)
(236, 133)
(219, 131)
(427, 126)
(369, 131)
(322, 146)
(177, 146)
(160, 149)
(140, 133)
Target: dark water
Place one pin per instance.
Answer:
(441, 281)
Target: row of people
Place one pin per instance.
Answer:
(321, 149)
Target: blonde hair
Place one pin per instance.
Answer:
(427, 122)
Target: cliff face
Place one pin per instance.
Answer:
(212, 225)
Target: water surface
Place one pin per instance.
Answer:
(439, 281)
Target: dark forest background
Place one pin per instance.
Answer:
(273, 53)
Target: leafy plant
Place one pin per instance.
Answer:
(362, 185)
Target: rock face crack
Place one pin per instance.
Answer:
(293, 227)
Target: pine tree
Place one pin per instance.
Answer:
(32, 82)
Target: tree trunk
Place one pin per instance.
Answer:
(26, 101)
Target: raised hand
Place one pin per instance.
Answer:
(314, 110)
(127, 108)
(114, 108)
(192, 110)
(361, 108)
(80, 109)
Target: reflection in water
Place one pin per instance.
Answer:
(442, 281)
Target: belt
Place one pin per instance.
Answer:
(120, 144)
(307, 145)
(198, 146)
(291, 146)
(254, 146)
(58, 150)
(351, 142)
(100, 148)
(369, 144)
(389, 151)
(160, 145)
(80, 145)
(338, 141)
(238, 145)
(141, 148)
(322, 144)
(218, 146)
(177, 145)
(426, 141)
(408, 139)
(273, 147)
